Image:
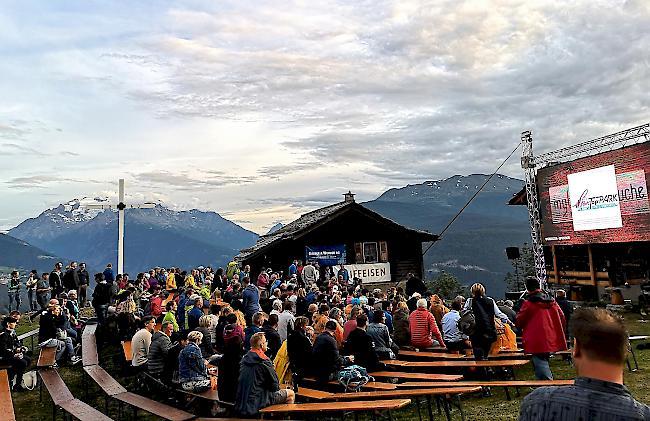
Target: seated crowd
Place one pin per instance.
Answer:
(258, 331)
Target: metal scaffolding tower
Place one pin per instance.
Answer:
(531, 163)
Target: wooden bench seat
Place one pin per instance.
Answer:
(7, 406)
(89, 355)
(62, 397)
(417, 376)
(105, 381)
(456, 363)
(490, 383)
(386, 394)
(46, 357)
(159, 409)
(378, 405)
(433, 355)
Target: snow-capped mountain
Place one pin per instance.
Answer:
(153, 237)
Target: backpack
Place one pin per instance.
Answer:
(232, 269)
(467, 322)
(353, 377)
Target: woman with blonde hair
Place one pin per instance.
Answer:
(192, 371)
(485, 310)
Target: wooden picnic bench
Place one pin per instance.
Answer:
(373, 406)
(417, 376)
(46, 357)
(113, 389)
(62, 398)
(89, 355)
(410, 393)
(7, 406)
(31, 334)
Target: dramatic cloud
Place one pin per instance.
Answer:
(262, 111)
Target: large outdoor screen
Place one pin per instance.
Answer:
(597, 199)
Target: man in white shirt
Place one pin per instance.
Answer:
(141, 341)
(285, 319)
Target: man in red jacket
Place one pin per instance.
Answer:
(542, 322)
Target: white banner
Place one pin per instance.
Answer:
(594, 199)
(368, 272)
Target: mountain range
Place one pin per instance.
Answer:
(153, 237)
(472, 248)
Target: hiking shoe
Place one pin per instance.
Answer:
(74, 360)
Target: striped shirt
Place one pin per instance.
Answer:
(589, 399)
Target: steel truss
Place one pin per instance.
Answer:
(530, 163)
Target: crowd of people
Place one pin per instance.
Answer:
(270, 329)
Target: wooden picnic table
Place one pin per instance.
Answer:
(490, 383)
(379, 394)
(7, 407)
(461, 364)
(378, 405)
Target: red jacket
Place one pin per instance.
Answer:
(542, 322)
(424, 328)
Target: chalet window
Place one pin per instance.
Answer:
(370, 253)
(383, 251)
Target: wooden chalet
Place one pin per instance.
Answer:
(364, 236)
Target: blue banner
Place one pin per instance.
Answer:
(326, 255)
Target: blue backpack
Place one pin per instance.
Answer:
(353, 377)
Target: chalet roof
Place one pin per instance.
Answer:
(318, 217)
(519, 198)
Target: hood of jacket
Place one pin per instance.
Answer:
(251, 359)
(540, 297)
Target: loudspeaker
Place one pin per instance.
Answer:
(512, 253)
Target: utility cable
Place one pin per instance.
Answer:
(471, 199)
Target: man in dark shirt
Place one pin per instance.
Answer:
(325, 355)
(360, 344)
(599, 352)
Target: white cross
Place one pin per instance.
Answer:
(120, 221)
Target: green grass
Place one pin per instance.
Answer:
(496, 407)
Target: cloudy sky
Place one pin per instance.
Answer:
(264, 110)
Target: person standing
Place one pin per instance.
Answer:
(485, 310)
(42, 290)
(542, 323)
(30, 285)
(250, 300)
(56, 282)
(13, 290)
(101, 297)
(84, 280)
(599, 353)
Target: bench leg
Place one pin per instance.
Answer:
(445, 406)
(429, 408)
(507, 393)
(438, 404)
(390, 414)
(460, 408)
(417, 405)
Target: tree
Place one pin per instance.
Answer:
(446, 286)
